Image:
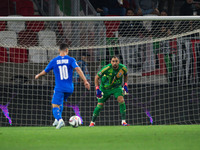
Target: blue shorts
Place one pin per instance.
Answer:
(59, 97)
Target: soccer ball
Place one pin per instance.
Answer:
(75, 121)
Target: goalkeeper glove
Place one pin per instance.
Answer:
(125, 88)
(99, 94)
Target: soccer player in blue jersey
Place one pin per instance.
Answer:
(62, 67)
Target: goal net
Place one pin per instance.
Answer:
(162, 55)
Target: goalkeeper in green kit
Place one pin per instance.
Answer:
(111, 84)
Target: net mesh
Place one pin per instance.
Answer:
(162, 57)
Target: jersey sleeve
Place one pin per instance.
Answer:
(49, 66)
(125, 70)
(74, 63)
(102, 71)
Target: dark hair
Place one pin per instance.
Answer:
(130, 10)
(63, 46)
(114, 57)
(164, 10)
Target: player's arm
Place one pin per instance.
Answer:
(125, 80)
(96, 80)
(40, 74)
(46, 70)
(99, 93)
(125, 84)
(82, 76)
(99, 75)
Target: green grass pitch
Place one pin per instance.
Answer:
(156, 137)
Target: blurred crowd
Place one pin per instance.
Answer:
(146, 7)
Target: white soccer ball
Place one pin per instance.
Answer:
(75, 121)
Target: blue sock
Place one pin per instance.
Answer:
(56, 113)
(61, 109)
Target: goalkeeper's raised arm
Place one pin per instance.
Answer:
(111, 84)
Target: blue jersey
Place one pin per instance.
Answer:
(63, 70)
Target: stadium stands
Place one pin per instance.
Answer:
(6, 8)
(2, 25)
(16, 26)
(3, 55)
(111, 27)
(47, 38)
(18, 55)
(24, 7)
(8, 38)
(60, 28)
(52, 53)
(35, 26)
(37, 56)
(26, 38)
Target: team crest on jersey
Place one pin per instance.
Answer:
(120, 73)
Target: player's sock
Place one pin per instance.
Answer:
(122, 108)
(56, 113)
(61, 109)
(96, 112)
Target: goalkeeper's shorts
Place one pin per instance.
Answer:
(107, 93)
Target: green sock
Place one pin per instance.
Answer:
(96, 112)
(122, 108)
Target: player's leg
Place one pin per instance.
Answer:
(58, 118)
(122, 108)
(57, 101)
(61, 107)
(66, 95)
(56, 111)
(55, 123)
(96, 113)
(118, 93)
(99, 107)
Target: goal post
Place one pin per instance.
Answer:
(162, 55)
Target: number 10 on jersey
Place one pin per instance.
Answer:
(63, 72)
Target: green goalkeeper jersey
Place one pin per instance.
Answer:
(112, 78)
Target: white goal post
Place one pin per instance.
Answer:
(162, 54)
